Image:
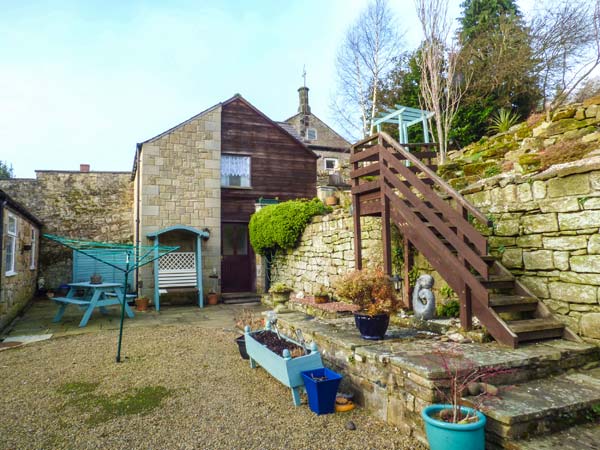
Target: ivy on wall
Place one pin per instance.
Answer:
(280, 226)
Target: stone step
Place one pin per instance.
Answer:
(581, 437)
(240, 297)
(542, 406)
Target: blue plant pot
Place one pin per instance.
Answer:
(372, 328)
(321, 394)
(452, 436)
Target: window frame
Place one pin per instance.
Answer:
(233, 155)
(336, 162)
(308, 130)
(33, 260)
(11, 237)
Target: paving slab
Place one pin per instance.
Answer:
(582, 437)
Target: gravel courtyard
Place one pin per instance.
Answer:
(180, 387)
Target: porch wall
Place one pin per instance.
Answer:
(181, 185)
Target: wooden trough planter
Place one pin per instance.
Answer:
(282, 367)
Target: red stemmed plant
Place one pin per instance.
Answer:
(464, 376)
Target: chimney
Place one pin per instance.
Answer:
(303, 94)
(84, 168)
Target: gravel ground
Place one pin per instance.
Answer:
(215, 400)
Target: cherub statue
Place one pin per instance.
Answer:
(423, 299)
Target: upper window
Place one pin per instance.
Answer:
(11, 244)
(331, 164)
(235, 171)
(311, 134)
(33, 248)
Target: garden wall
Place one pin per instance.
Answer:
(326, 251)
(546, 231)
(82, 205)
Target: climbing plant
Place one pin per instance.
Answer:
(279, 226)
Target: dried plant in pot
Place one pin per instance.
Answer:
(142, 303)
(322, 294)
(372, 290)
(456, 424)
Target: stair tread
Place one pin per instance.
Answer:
(581, 437)
(496, 278)
(529, 325)
(506, 300)
(546, 397)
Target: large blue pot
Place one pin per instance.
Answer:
(372, 328)
(453, 436)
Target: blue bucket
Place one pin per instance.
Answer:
(453, 436)
(321, 393)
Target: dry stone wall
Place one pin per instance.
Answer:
(326, 251)
(546, 231)
(82, 205)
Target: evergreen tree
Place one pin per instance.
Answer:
(6, 171)
(495, 47)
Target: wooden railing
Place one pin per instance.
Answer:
(402, 188)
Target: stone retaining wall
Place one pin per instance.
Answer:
(326, 251)
(81, 205)
(546, 231)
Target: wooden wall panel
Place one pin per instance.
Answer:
(280, 165)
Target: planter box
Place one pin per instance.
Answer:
(321, 392)
(283, 367)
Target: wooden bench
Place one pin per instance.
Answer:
(71, 301)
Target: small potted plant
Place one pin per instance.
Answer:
(212, 298)
(452, 425)
(373, 292)
(280, 293)
(96, 278)
(141, 303)
(322, 294)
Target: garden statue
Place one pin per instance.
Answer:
(423, 299)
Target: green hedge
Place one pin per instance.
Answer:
(280, 226)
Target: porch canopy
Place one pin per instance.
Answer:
(405, 117)
(179, 269)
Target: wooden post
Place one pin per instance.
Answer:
(356, 222)
(466, 308)
(156, 289)
(408, 265)
(385, 219)
(199, 281)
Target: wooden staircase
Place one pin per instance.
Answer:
(392, 182)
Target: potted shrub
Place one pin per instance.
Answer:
(141, 303)
(280, 293)
(321, 295)
(373, 292)
(452, 425)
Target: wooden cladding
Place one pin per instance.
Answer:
(281, 166)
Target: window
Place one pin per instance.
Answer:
(331, 164)
(235, 171)
(11, 244)
(311, 134)
(33, 248)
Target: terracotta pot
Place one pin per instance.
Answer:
(332, 200)
(213, 298)
(96, 279)
(321, 298)
(141, 303)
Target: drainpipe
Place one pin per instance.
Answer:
(137, 216)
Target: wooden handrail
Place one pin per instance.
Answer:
(439, 181)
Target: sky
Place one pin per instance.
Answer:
(82, 81)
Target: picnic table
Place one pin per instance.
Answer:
(94, 296)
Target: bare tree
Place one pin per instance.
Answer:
(364, 59)
(442, 87)
(566, 43)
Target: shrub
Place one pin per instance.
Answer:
(280, 226)
(449, 309)
(503, 120)
(371, 289)
(280, 288)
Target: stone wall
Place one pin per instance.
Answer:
(546, 231)
(82, 205)
(326, 251)
(18, 288)
(180, 174)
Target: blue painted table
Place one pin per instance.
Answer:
(284, 368)
(95, 296)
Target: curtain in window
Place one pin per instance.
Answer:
(235, 170)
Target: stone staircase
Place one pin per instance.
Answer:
(552, 385)
(240, 297)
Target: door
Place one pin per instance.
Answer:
(236, 258)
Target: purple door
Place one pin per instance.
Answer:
(236, 261)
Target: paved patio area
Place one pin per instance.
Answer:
(37, 319)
